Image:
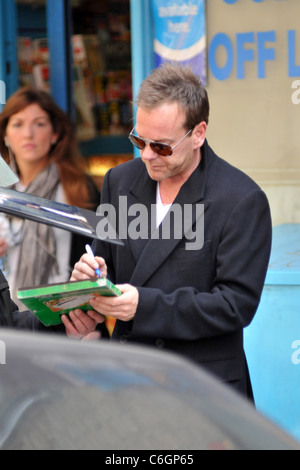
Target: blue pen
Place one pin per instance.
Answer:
(90, 252)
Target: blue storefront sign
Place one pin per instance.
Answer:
(180, 33)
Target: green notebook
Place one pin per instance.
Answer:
(49, 302)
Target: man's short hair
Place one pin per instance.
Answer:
(173, 83)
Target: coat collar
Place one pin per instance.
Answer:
(143, 188)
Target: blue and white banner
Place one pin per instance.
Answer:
(180, 33)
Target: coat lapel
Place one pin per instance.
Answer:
(140, 209)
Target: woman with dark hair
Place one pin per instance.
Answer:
(38, 140)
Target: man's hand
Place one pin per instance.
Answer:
(80, 324)
(85, 268)
(122, 307)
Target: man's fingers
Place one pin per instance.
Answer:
(82, 270)
(82, 321)
(96, 316)
(78, 324)
(86, 266)
(70, 329)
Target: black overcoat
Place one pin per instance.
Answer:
(194, 302)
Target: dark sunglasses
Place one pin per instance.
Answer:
(164, 150)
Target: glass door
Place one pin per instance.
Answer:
(102, 67)
(102, 80)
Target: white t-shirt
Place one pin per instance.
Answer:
(161, 209)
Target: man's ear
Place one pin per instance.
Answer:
(200, 134)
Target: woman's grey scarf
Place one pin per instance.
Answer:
(37, 260)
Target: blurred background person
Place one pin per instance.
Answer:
(38, 141)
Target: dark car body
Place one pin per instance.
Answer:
(57, 393)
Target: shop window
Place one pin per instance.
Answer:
(102, 84)
(33, 55)
(102, 67)
(101, 46)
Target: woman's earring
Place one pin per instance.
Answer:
(6, 141)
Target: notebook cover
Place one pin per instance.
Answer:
(51, 301)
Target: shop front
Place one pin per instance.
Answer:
(80, 52)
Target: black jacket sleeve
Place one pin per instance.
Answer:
(7, 306)
(11, 317)
(9, 313)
